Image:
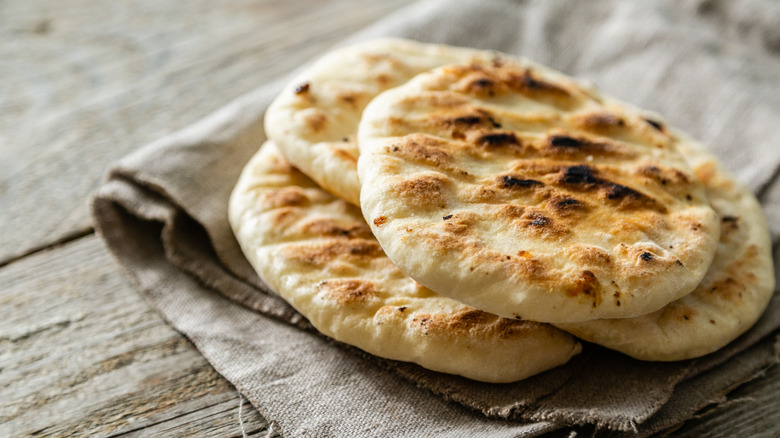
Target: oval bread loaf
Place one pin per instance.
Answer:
(314, 119)
(516, 190)
(317, 252)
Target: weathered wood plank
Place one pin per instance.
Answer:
(217, 420)
(82, 354)
(84, 83)
(753, 412)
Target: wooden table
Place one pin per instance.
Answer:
(83, 83)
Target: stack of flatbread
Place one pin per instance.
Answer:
(478, 214)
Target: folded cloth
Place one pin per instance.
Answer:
(711, 67)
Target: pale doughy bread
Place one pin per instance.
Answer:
(315, 118)
(318, 253)
(516, 190)
(730, 299)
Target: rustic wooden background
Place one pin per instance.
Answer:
(83, 83)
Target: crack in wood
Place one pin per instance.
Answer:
(65, 239)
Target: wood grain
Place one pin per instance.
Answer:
(82, 354)
(84, 83)
(754, 411)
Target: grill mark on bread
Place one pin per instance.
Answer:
(511, 211)
(348, 291)
(512, 182)
(380, 58)
(446, 101)
(529, 83)
(482, 86)
(738, 277)
(315, 120)
(319, 255)
(526, 267)
(423, 149)
(482, 82)
(473, 322)
(497, 139)
(285, 217)
(478, 118)
(423, 191)
(729, 225)
(665, 176)
(568, 146)
(677, 312)
(383, 80)
(331, 228)
(280, 166)
(600, 122)
(565, 206)
(350, 98)
(285, 197)
(586, 179)
(343, 154)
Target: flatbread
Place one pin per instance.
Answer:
(730, 299)
(315, 118)
(516, 190)
(317, 252)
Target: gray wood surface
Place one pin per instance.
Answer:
(86, 82)
(82, 354)
(83, 83)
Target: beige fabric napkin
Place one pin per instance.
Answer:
(711, 67)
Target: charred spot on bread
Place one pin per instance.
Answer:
(658, 126)
(497, 139)
(511, 182)
(586, 178)
(303, 88)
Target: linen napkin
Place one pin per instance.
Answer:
(711, 68)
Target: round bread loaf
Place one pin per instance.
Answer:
(317, 252)
(516, 190)
(314, 119)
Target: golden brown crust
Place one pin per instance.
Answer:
(602, 198)
(285, 197)
(423, 191)
(472, 322)
(348, 291)
(332, 228)
(354, 250)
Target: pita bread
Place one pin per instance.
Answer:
(516, 190)
(730, 299)
(317, 253)
(315, 118)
